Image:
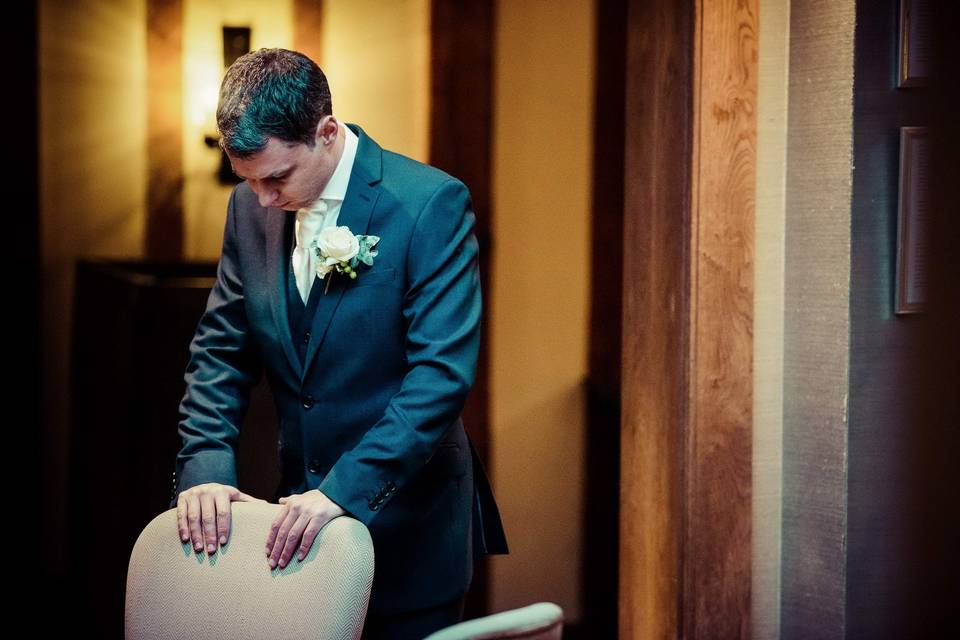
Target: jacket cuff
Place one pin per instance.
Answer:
(363, 506)
(201, 467)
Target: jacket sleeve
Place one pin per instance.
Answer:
(224, 365)
(442, 309)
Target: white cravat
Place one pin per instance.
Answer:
(308, 226)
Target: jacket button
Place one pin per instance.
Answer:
(314, 466)
(306, 338)
(374, 506)
(307, 401)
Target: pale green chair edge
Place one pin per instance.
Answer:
(540, 621)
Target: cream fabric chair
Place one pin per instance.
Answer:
(541, 621)
(173, 592)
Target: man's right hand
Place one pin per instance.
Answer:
(208, 506)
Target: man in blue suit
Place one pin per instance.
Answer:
(349, 277)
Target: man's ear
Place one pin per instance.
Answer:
(327, 130)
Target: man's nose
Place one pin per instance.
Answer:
(266, 196)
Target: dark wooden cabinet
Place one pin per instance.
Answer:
(133, 323)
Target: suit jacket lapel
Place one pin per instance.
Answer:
(276, 266)
(355, 213)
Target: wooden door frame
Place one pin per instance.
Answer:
(461, 117)
(686, 427)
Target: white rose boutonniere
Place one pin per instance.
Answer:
(338, 249)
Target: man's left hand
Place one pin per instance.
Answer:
(298, 523)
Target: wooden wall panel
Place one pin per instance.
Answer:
(308, 29)
(717, 553)
(657, 180)
(164, 232)
(600, 558)
(688, 319)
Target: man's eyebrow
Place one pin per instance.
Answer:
(275, 174)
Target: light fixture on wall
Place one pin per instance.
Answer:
(236, 42)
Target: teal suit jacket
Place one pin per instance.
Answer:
(369, 392)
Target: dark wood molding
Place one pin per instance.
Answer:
(688, 316)
(164, 224)
(656, 307)
(602, 448)
(461, 106)
(308, 29)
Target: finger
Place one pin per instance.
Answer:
(193, 521)
(281, 538)
(274, 530)
(293, 539)
(309, 535)
(240, 496)
(182, 528)
(208, 516)
(222, 501)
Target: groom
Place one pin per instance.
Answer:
(349, 277)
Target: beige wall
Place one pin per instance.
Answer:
(377, 59)
(541, 193)
(92, 179)
(774, 42)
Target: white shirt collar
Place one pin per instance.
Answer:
(336, 187)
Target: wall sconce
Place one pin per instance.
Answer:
(236, 42)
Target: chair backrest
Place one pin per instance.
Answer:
(173, 592)
(540, 621)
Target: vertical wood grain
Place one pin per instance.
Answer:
(688, 319)
(719, 440)
(657, 180)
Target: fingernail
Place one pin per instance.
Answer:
(300, 558)
(211, 548)
(273, 563)
(282, 564)
(223, 539)
(198, 547)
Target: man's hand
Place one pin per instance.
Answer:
(208, 505)
(303, 516)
